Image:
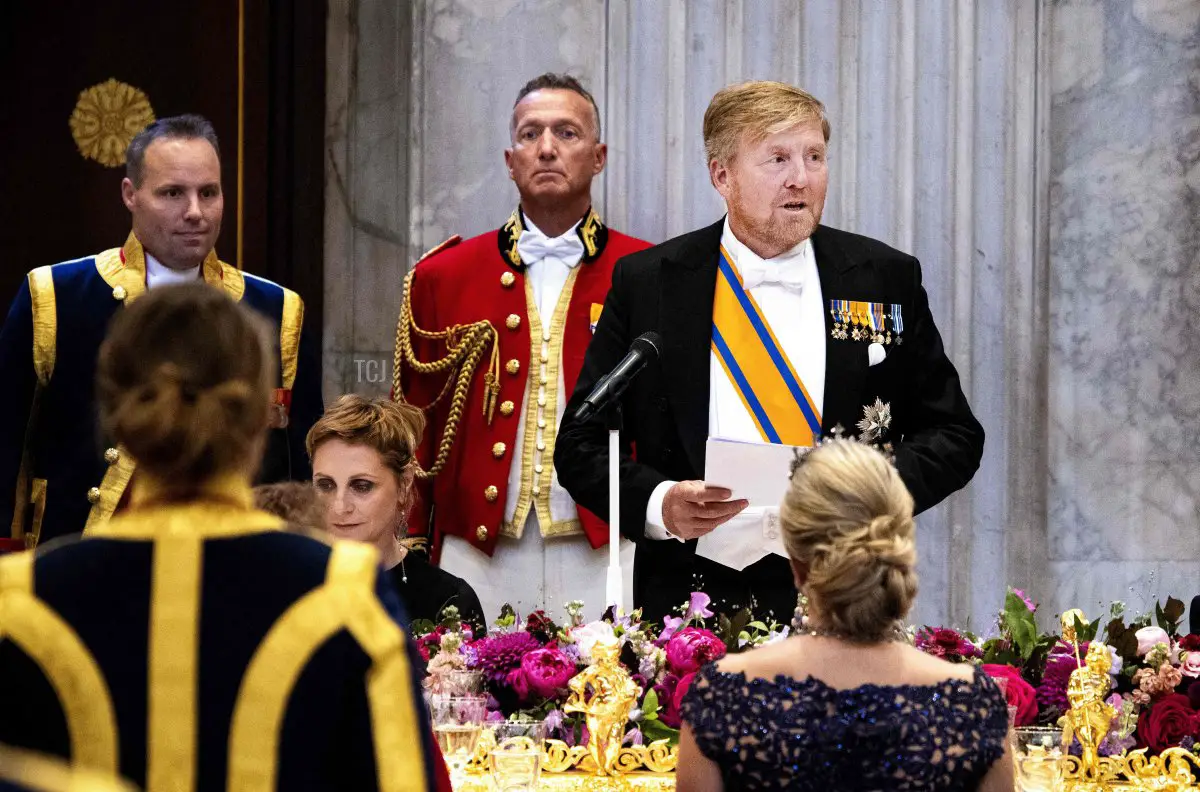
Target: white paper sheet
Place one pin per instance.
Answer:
(757, 472)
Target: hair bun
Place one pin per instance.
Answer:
(183, 384)
(847, 518)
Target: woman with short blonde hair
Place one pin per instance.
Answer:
(364, 471)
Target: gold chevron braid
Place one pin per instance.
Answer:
(465, 345)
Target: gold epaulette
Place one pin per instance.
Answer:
(438, 248)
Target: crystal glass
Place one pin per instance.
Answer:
(516, 760)
(457, 722)
(455, 683)
(1002, 683)
(1037, 752)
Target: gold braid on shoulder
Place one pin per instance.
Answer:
(465, 347)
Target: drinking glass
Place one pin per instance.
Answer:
(516, 760)
(455, 683)
(1002, 683)
(457, 722)
(1037, 755)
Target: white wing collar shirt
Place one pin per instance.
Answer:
(788, 290)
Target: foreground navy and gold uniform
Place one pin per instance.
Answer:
(57, 475)
(197, 647)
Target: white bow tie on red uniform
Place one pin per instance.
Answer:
(535, 246)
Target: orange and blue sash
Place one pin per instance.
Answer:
(757, 366)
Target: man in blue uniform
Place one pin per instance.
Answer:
(57, 474)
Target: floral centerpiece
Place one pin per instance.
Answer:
(1155, 670)
(528, 665)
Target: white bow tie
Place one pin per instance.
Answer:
(535, 246)
(786, 274)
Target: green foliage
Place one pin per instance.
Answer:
(1168, 617)
(1018, 622)
(1121, 638)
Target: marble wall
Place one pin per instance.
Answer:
(1124, 231)
(1003, 143)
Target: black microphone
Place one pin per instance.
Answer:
(611, 386)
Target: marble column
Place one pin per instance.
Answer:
(1124, 407)
(367, 167)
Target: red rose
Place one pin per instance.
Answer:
(1166, 723)
(1019, 693)
(1190, 643)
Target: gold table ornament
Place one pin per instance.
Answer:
(1088, 720)
(605, 694)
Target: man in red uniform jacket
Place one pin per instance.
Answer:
(490, 342)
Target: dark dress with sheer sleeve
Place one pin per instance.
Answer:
(802, 734)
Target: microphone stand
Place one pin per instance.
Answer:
(614, 584)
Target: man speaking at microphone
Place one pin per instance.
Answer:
(774, 329)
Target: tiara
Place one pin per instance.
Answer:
(872, 432)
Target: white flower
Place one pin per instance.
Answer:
(1117, 662)
(586, 635)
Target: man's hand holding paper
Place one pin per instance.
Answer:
(756, 474)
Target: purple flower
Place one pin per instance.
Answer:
(671, 625)
(698, 606)
(554, 721)
(497, 655)
(691, 648)
(1052, 693)
(634, 737)
(547, 671)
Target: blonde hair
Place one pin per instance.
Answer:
(183, 383)
(848, 520)
(392, 428)
(754, 110)
(294, 502)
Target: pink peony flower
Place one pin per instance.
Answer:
(1149, 637)
(691, 648)
(517, 681)
(547, 671)
(681, 690)
(1191, 664)
(1019, 693)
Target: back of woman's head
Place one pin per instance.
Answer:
(294, 502)
(848, 521)
(391, 428)
(183, 383)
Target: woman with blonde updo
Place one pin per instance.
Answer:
(363, 454)
(846, 702)
(189, 643)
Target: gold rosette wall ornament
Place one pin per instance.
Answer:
(106, 118)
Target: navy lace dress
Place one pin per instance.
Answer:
(789, 734)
